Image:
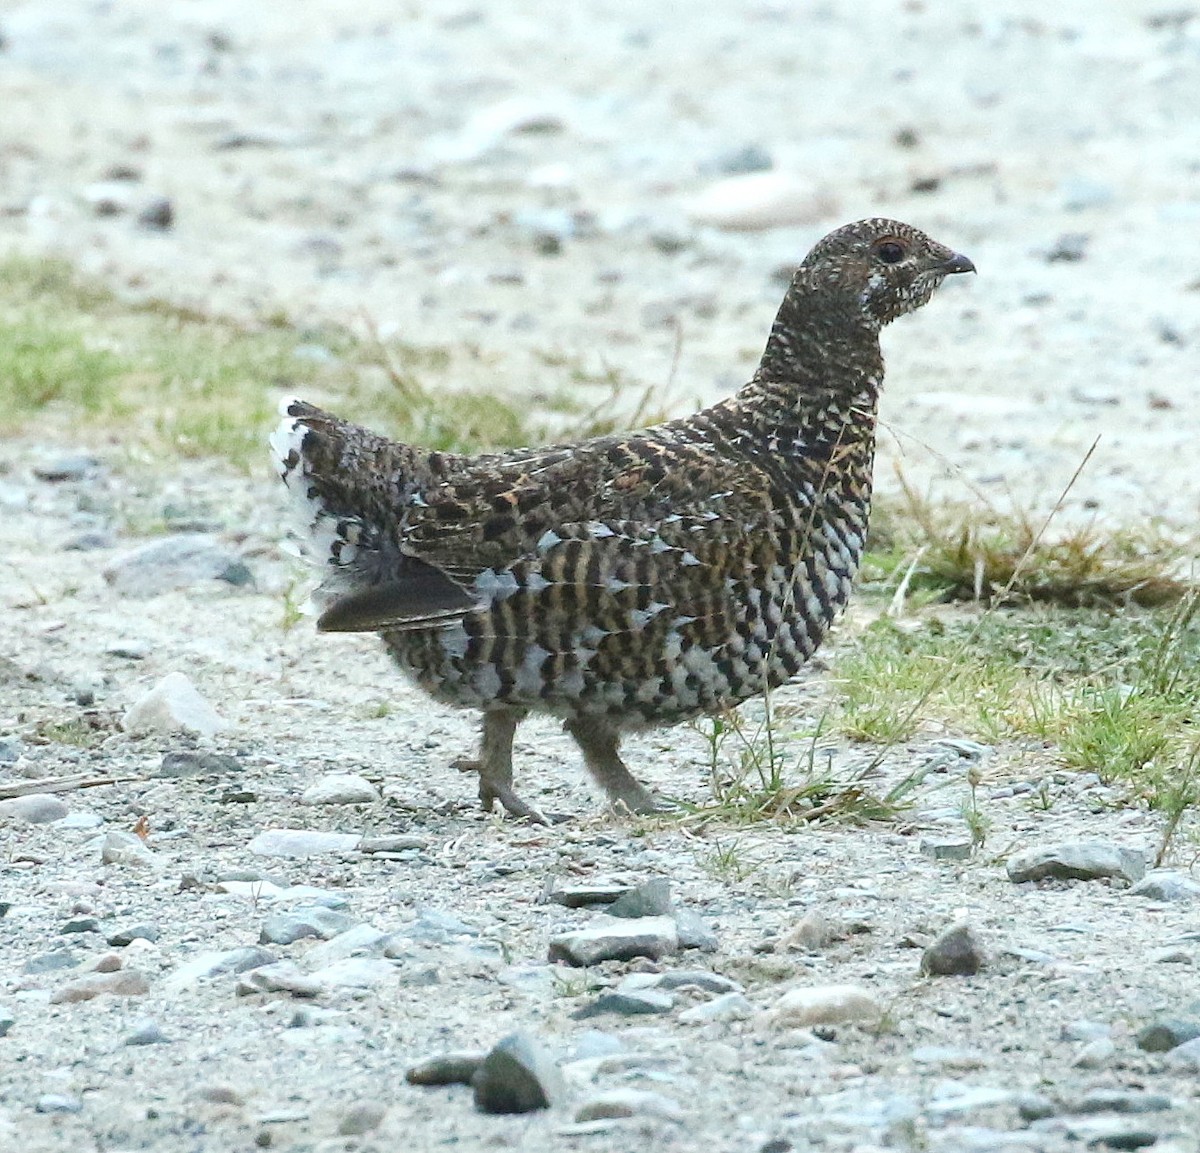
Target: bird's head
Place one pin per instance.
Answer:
(873, 271)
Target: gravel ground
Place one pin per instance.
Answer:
(551, 180)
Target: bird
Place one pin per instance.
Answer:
(633, 580)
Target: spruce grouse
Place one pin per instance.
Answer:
(631, 580)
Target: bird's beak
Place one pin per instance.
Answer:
(956, 262)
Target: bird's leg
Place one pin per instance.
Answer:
(494, 764)
(599, 739)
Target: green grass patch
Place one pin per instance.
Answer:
(75, 357)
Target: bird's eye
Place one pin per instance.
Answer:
(890, 251)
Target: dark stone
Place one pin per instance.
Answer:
(639, 1003)
(693, 932)
(651, 899)
(189, 763)
(517, 1076)
(1121, 1101)
(146, 931)
(1167, 1034)
(158, 214)
(955, 953)
(81, 925)
(446, 1069)
(51, 962)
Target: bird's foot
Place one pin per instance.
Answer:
(640, 801)
(491, 791)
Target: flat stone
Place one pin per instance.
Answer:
(33, 809)
(363, 1117)
(618, 940)
(946, 848)
(7, 1021)
(1035, 1107)
(1185, 1058)
(354, 973)
(122, 848)
(76, 466)
(1121, 1101)
(579, 896)
(629, 1103)
(627, 1004)
(57, 1103)
(808, 935)
(651, 899)
(1165, 885)
(1167, 1034)
(281, 977)
(147, 1033)
(392, 844)
(51, 962)
(341, 789)
(105, 963)
(174, 705)
(726, 1007)
(172, 562)
(361, 940)
(955, 953)
(297, 844)
(80, 925)
(955, 1098)
(518, 1075)
(693, 932)
(1085, 1030)
(822, 1005)
(145, 931)
(1095, 1054)
(122, 983)
(1170, 955)
(304, 921)
(217, 964)
(700, 979)
(194, 763)
(455, 1068)
(1076, 860)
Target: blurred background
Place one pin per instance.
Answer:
(612, 195)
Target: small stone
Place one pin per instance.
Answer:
(74, 467)
(1085, 1031)
(1121, 1101)
(947, 848)
(157, 213)
(33, 809)
(1170, 955)
(80, 925)
(1095, 1054)
(122, 848)
(693, 932)
(1185, 1058)
(748, 158)
(171, 562)
(446, 1069)
(1166, 885)
(173, 705)
(341, 789)
(700, 979)
(759, 200)
(618, 940)
(281, 977)
(192, 763)
(300, 843)
(145, 931)
(579, 896)
(354, 973)
(955, 953)
(1076, 860)
(651, 899)
(518, 1075)
(218, 964)
(7, 1021)
(105, 963)
(361, 940)
(629, 1103)
(726, 1007)
(305, 921)
(640, 1003)
(1035, 1107)
(147, 1033)
(440, 927)
(57, 1103)
(1069, 248)
(123, 983)
(1167, 1034)
(822, 1005)
(392, 844)
(363, 1117)
(221, 1095)
(50, 962)
(809, 935)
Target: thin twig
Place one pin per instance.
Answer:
(8, 790)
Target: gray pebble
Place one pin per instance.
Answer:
(305, 921)
(1085, 1031)
(80, 925)
(618, 940)
(946, 848)
(579, 896)
(747, 158)
(1035, 1107)
(128, 649)
(693, 932)
(651, 899)
(7, 1021)
(1121, 1101)
(51, 962)
(301, 843)
(518, 1075)
(446, 1069)
(281, 977)
(90, 540)
(629, 1103)
(955, 953)
(1076, 860)
(1185, 1058)
(726, 1007)
(1166, 885)
(439, 927)
(122, 848)
(363, 1117)
(192, 763)
(78, 466)
(1095, 1054)
(156, 213)
(145, 931)
(640, 1003)
(592, 1043)
(34, 808)
(172, 562)
(392, 844)
(10, 750)
(341, 789)
(147, 1033)
(682, 979)
(217, 964)
(1166, 1034)
(57, 1103)
(173, 705)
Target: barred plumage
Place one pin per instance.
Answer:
(630, 580)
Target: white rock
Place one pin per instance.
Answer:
(759, 200)
(619, 939)
(1095, 1054)
(341, 789)
(173, 705)
(1166, 885)
(629, 1103)
(301, 843)
(355, 973)
(822, 1005)
(1185, 1058)
(34, 809)
(727, 1007)
(122, 848)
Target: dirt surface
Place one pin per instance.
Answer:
(529, 179)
